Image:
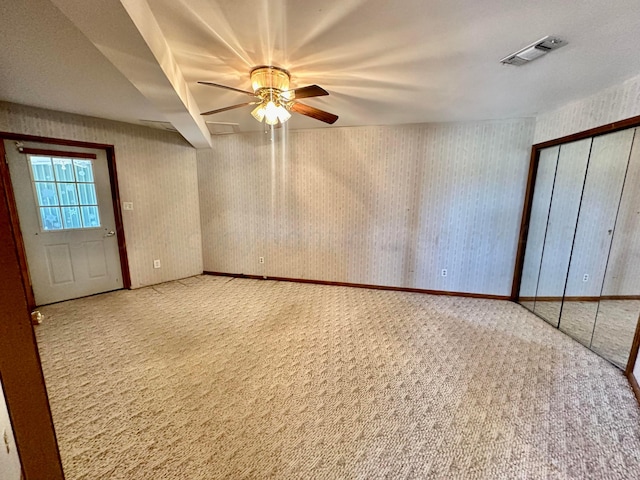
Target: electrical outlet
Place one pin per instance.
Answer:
(127, 205)
(261, 260)
(156, 264)
(585, 278)
(444, 272)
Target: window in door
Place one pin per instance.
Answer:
(65, 192)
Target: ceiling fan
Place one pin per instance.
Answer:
(274, 100)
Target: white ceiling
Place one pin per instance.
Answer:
(383, 62)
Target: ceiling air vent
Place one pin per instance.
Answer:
(222, 128)
(533, 51)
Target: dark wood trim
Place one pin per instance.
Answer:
(53, 141)
(117, 212)
(22, 379)
(592, 132)
(634, 385)
(542, 299)
(56, 153)
(524, 223)
(579, 299)
(15, 227)
(115, 194)
(361, 285)
(560, 299)
(620, 297)
(633, 353)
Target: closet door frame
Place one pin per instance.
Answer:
(526, 216)
(633, 355)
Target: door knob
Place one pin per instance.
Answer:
(110, 233)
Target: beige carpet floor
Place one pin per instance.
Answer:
(213, 377)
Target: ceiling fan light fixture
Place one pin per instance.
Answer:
(288, 95)
(269, 77)
(274, 100)
(283, 114)
(271, 113)
(258, 113)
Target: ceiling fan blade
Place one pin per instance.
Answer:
(313, 112)
(240, 105)
(211, 84)
(310, 91)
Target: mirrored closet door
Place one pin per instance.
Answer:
(581, 268)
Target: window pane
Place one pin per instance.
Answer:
(46, 194)
(87, 193)
(64, 169)
(42, 169)
(68, 195)
(84, 170)
(90, 217)
(65, 191)
(51, 218)
(71, 217)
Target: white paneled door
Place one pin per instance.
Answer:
(65, 207)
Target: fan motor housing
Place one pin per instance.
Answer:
(269, 77)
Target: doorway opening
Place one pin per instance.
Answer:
(65, 212)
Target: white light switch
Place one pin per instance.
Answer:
(127, 205)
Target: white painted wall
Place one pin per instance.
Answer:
(156, 171)
(10, 468)
(388, 205)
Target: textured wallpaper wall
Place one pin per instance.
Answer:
(156, 171)
(612, 104)
(390, 205)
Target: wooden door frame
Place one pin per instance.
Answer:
(13, 211)
(20, 368)
(526, 217)
(633, 356)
